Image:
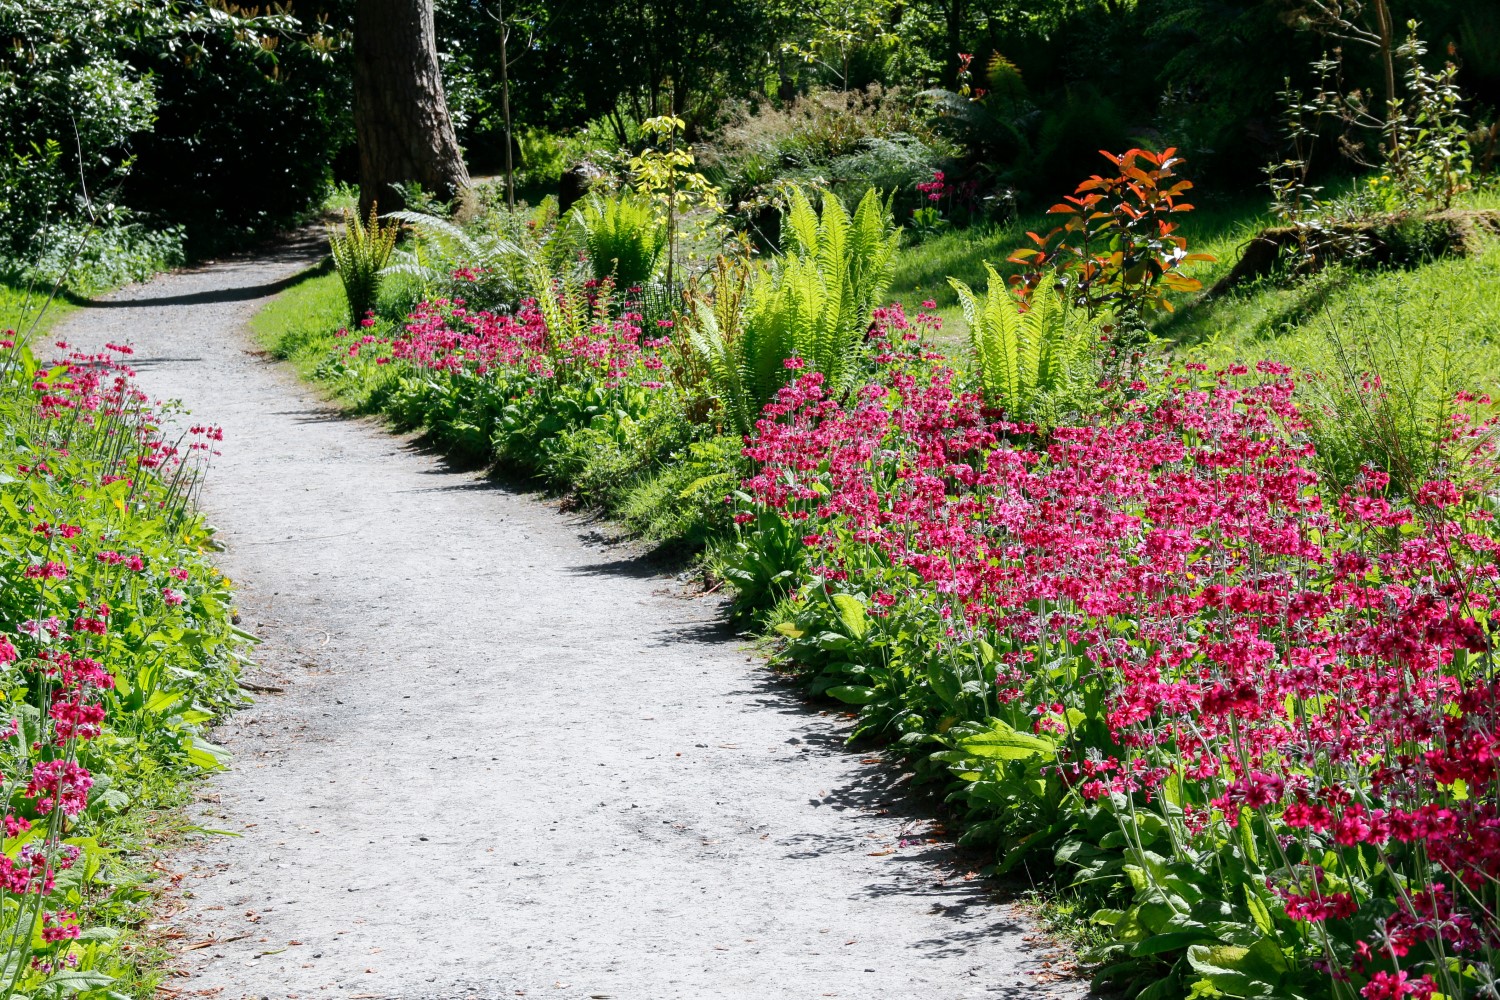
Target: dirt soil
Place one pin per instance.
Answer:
(496, 755)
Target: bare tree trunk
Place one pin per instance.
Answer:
(400, 113)
(954, 15)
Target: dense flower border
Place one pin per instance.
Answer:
(116, 646)
(1150, 645)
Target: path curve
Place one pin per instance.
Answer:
(507, 759)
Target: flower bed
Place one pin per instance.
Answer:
(581, 391)
(116, 647)
(1254, 725)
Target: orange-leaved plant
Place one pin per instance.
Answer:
(1116, 251)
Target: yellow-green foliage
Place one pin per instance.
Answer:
(1025, 363)
(360, 253)
(813, 303)
(624, 238)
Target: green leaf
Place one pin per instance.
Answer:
(1259, 912)
(1156, 944)
(853, 694)
(852, 614)
(205, 755)
(1237, 970)
(71, 981)
(943, 683)
(1004, 743)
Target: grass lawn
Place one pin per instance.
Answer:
(298, 324)
(19, 307)
(1436, 325)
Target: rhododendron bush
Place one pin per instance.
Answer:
(1254, 723)
(116, 645)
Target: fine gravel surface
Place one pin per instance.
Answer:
(493, 754)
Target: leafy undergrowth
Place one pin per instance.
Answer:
(595, 434)
(116, 649)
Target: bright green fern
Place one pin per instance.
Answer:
(813, 303)
(623, 236)
(1028, 364)
(360, 253)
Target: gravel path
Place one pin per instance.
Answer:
(506, 759)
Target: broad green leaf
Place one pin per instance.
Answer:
(853, 694)
(852, 614)
(1004, 743)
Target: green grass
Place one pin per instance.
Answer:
(298, 325)
(19, 308)
(1443, 316)
(301, 326)
(923, 269)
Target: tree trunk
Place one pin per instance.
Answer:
(954, 16)
(400, 114)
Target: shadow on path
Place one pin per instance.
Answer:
(244, 293)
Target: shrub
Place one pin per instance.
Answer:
(1116, 250)
(897, 163)
(763, 148)
(87, 257)
(220, 118)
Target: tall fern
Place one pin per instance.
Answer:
(497, 252)
(623, 236)
(814, 302)
(1028, 364)
(853, 258)
(715, 333)
(360, 254)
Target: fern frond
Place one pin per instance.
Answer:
(360, 253)
(799, 226)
